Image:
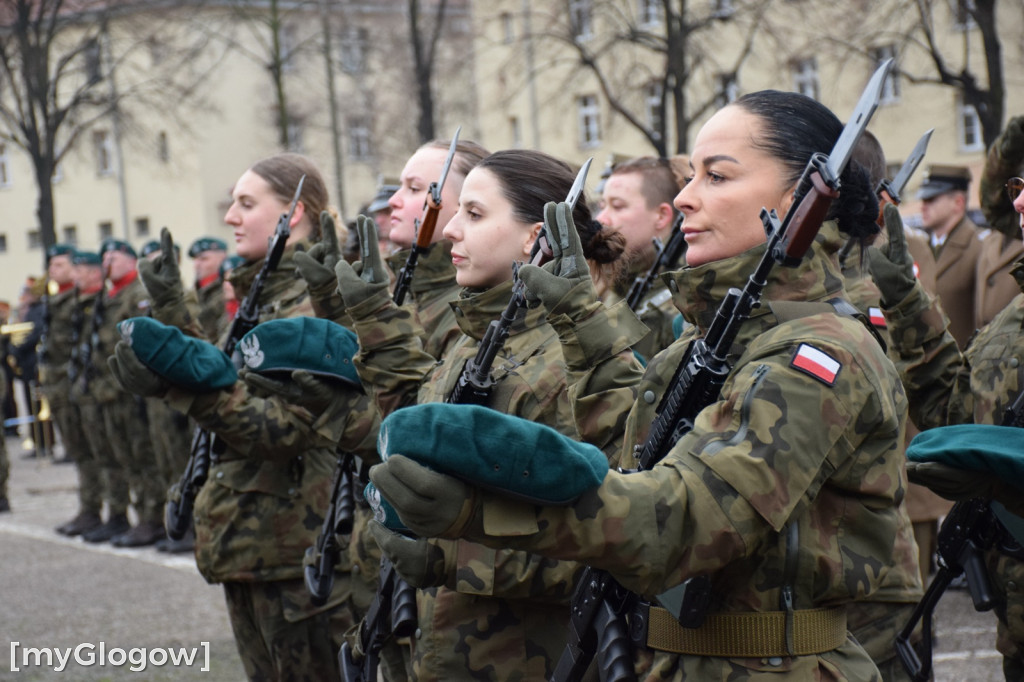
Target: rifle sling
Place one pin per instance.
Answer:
(749, 634)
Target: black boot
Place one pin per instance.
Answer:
(83, 523)
(116, 525)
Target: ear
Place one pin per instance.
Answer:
(534, 233)
(300, 212)
(666, 216)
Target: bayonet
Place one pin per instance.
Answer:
(895, 186)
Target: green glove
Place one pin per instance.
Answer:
(420, 562)
(891, 266)
(317, 265)
(954, 483)
(132, 375)
(548, 284)
(302, 389)
(368, 276)
(162, 277)
(1011, 145)
(429, 503)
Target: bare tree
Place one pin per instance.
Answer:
(424, 40)
(58, 60)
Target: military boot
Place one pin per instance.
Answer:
(146, 533)
(117, 524)
(186, 544)
(83, 523)
(5, 504)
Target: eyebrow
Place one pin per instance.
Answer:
(708, 160)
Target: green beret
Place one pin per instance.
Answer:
(383, 512)
(111, 244)
(975, 447)
(182, 360)
(206, 244)
(152, 246)
(60, 250)
(229, 264)
(515, 456)
(86, 258)
(312, 344)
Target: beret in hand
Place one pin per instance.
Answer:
(182, 360)
(311, 344)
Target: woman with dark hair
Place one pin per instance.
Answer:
(784, 499)
(483, 615)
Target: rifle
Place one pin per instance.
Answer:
(666, 260)
(85, 355)
(425, 226)
(178, 511)
(598, 599)
(890, 191)
(323, 556)
(475, 383)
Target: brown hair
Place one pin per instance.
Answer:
(283, 171)
(467, 154)
(659, 183)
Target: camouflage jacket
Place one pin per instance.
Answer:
(780, 447)
(433, 287)
(270, 483)
(657, 311)
(55, 352)
(132, 300)
(212, 314)
(497, 604)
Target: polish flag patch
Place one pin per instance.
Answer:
(876, 317)
(817, 363)
(917, 271)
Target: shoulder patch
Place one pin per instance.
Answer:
(876, 317)
(817, 363)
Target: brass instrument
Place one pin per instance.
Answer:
(18, 331)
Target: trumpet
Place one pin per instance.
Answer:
(18, 331)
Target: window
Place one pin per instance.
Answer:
(969, 128)
(352, 52)
(359, 147)
(891, 86)
(648, 12)
(58, 171)
(104, 149)
(517, 131)
(891, 169)
(722, 9)
(589, 121)
(70, 234)
(142, 227)
(287, 47)
(5, 166)
(964, 19)
(296, 135)
(805, 77)
(508, 28)
(3, 243)
(106, 230)
(93, 62)
(580, 19)
(652, 108)
(726, 89)
(163, 150)
(35, 238)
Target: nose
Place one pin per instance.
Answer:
(602, 217)
(231, 217)
(685, 200)
(451, 230)
(395, 201)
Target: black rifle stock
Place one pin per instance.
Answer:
(323, 556)
(666, 261)
(178, 511)
(695, 385)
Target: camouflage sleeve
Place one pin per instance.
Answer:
(756, 457)
(1004, 160)
(351, 422)
(183, 314)
(927, 357)
(391, 361)
(509, 574)
(265, 428)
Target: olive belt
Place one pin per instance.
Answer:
(750, 634)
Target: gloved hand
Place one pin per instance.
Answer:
(962, 484)
(548, 284)
(429, 503)
(1011, 145)
(303, 389)
(420, 562)
(162, 277)
(891, 266)
(317, 265)
(133, 375)
(368, 276)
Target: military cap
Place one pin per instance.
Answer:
(312, 344)
(181, 360)
(974, 447)
(86, 258)
(111, 244)
(385, 189)
(60, 250)
(229, 264)
(941, 179)
(515, 456)
(206, 244)
(152, 246)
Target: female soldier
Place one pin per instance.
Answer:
(947, 387)
(785, 495)
(483, 615)
(270, 479)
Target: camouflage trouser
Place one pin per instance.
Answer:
(281, 637)
(875, 626)
(127, 433)
(114, 480)
(68, 418)
(5, 468)
(171, 437)
(1007, 576)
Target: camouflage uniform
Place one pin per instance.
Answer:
(262, 506)
(779, 450)
(433, 286)
(67, 320)
(125, 423)
(213, 316)
(656, 311)
(496, 605)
